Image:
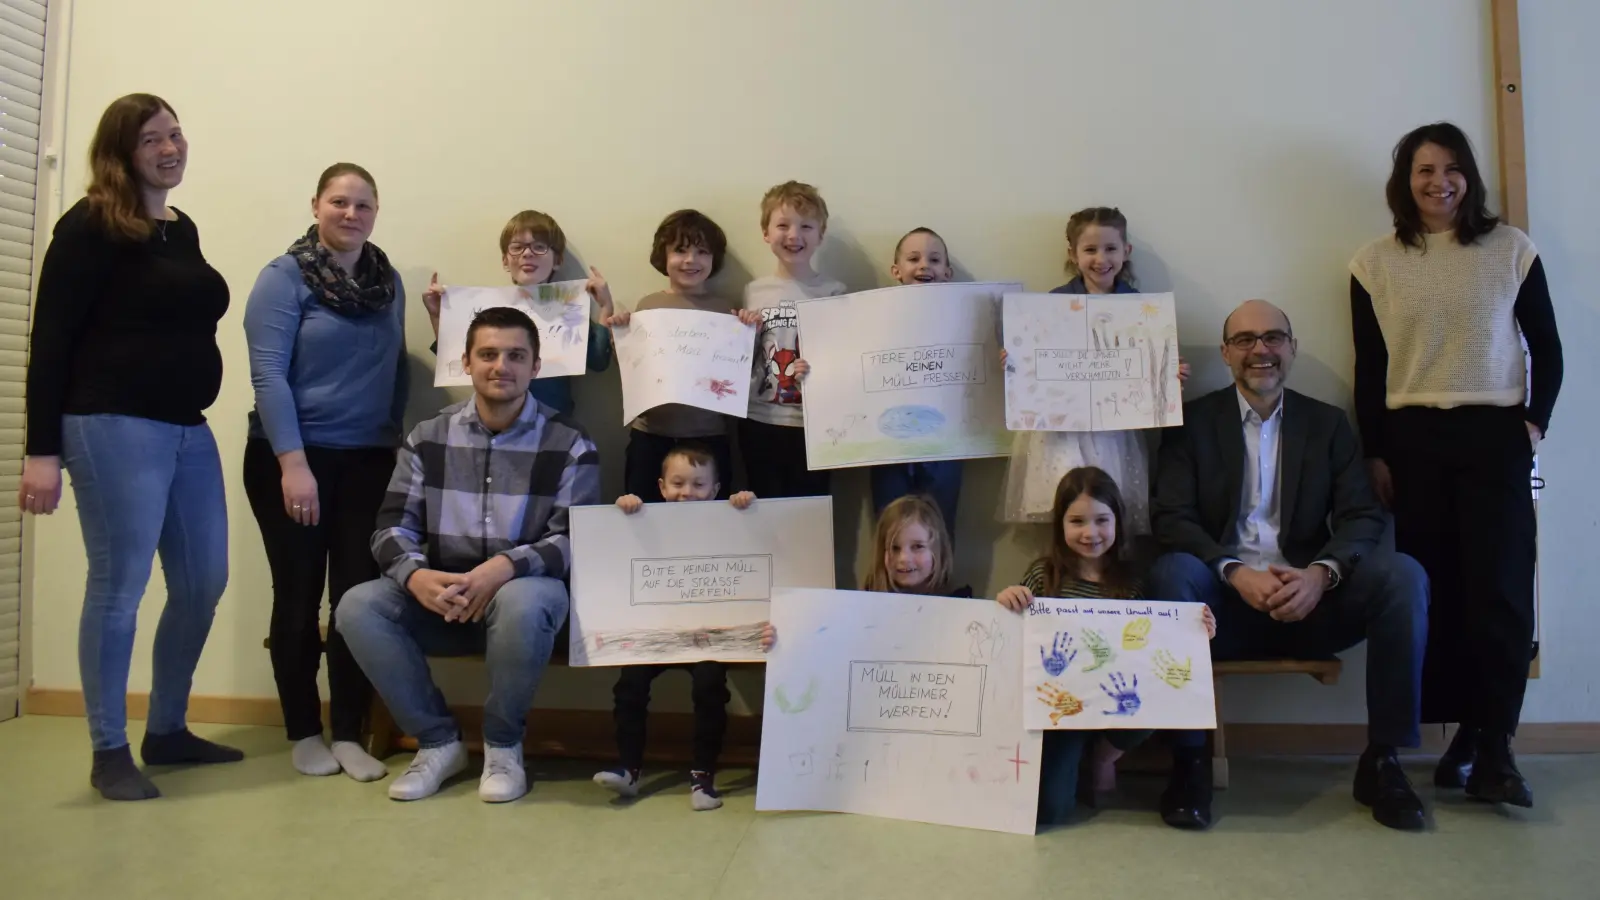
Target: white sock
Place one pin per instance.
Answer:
(311, 757)
(357, 763)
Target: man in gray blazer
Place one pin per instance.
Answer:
(1263, 505)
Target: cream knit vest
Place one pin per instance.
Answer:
(1447, 317)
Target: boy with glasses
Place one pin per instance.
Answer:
(532, 249)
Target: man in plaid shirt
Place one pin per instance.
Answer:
(473, 542)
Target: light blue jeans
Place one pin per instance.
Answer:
(145, 487)
(391, 635)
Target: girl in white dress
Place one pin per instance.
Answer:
(1098, 262)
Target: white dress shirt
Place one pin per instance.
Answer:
(1255, 542)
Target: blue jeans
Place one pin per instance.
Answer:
(391, 635)
(938, 481)
(1062, 760)
(145, 487)
(1383, 602)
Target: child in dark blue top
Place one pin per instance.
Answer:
(532, 248)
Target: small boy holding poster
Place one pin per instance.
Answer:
(688, 248)
(688, 473)
(794, 220)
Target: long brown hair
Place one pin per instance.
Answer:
(1104, 216)
(1473, 219)
(1117, 579)
(115, 201)
(910, 510)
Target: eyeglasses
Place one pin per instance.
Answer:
(1246, 340)
(537, 248)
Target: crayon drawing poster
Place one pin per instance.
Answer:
(683, 582)
(902, 374)
(900, 706)
(1098, 664)
(687, 356)
(1091, 363)
(560, 310)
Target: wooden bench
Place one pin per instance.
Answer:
(1325, 671)
(574, 734)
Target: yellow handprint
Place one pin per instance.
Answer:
(1136, 634)
(1171, 671)
(1060, 701)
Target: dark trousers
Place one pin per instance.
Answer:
(1062, 758)
(938, 481)
(632, 711)
(335, 553)
(775, 461)
(641, 472)
(1384, 602)
(1463, 506)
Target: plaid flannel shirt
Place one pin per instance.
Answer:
(461, 494)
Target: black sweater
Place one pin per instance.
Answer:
(123, 327)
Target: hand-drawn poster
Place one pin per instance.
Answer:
(685, 356)
(1091, 363)
(902, 374)
(901, 706)
(683, 582)
(1098, 664)
(560, 310)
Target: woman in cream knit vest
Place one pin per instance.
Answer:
(1449, 420)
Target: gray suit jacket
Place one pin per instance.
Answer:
(1327, 507)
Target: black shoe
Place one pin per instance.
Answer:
(1186, 803)
(1495, 778)
(1383, 785)
(1456, 764)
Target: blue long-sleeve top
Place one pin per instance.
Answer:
(322, 379)
(557, 392)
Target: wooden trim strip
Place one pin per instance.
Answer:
(587, 733)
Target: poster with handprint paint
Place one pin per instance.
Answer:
(903, 374)
(1099, 664)
(687, 356)
(1091, 362)
(560, 310)
(898, 705)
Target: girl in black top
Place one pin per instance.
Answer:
(124, 360)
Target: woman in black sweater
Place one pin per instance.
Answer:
(124, 359)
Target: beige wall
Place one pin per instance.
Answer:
(1247, 141)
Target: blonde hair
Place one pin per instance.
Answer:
(798, 196)
(910, 510)
(1104, 216)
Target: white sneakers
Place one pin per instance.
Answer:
(429, 769)
(503, 777)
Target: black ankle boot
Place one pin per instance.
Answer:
(1382, 785)
(1186, 803)
(1456, 763)
(1494, 777)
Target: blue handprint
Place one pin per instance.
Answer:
(1125, 694)
(1062, 653)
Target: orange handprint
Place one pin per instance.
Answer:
(1060, 701)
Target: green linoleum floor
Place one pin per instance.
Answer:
(1287, 829)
